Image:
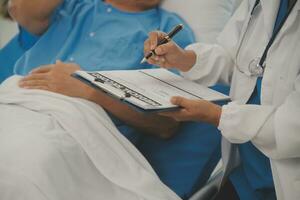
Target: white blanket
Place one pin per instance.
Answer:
(60, 148)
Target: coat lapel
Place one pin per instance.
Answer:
(290, 21)
(270, 10)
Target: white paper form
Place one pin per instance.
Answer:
(158, 86)
(151, 88)
(190, 89)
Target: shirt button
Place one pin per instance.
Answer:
(92, 34)
(71, 59)
(109, 10)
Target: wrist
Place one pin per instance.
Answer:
(189, 60)
(89, 93)
(216, 113)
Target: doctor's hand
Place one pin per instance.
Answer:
(56, 78)
(195, 110)
(168, 55)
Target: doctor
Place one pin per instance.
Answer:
(258, 54)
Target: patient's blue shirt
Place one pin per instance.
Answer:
(97, 36)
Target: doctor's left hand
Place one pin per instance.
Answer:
(56, 78)
(195, 110)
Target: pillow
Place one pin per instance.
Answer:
(7, 31)
(206, 17)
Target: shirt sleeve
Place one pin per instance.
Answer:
(274, 131)
(215, 62)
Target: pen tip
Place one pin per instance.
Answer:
(143, 61)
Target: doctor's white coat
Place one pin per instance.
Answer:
(274, 126)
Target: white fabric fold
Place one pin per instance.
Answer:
(210, 55)
(68, 148)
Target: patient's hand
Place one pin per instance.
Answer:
(56, 78)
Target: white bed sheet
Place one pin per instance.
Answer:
(57, 147)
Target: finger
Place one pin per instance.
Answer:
(35, 77)
(181, 115)
(154, 37)
(180, 101)
(33, 83)
(37, 88)
(59, 62)
(162, 62)
(172, 113)
(153, 40)
(167, 114)
(152, 61)
(147, 47)
(164, 49)
(158, 61)
(43, 69)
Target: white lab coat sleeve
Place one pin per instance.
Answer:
(215, 62)
(274, 131)
(213, 65)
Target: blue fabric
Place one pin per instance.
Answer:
(26, 39)
(13, 51)
(282, 12)
(184, 162)
(253, 179)
(187, 160)
(99, 37)
(8, 56)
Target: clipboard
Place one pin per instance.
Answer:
(149, 90)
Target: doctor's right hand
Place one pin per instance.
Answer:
(168, 55)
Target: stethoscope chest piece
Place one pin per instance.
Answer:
(255, 68)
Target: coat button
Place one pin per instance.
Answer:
(92, 34)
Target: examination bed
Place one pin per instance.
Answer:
(179, 161)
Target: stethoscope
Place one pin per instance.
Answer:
(257, 65)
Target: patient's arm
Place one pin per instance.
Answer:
(33, 15)
(56, 78)
(148, 123)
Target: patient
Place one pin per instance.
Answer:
(95, 35)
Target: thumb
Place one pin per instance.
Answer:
(164, 49)
(58, 62)
(154, 37)
(42, 69)
(180, 101)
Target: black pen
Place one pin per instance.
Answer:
(166, 39)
